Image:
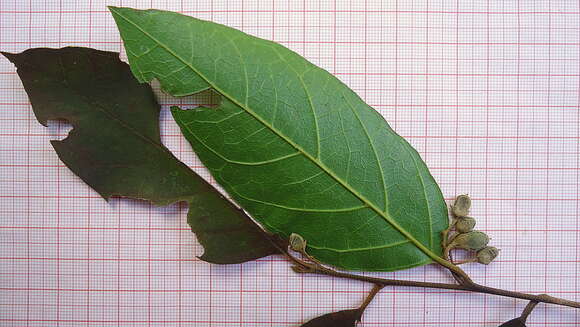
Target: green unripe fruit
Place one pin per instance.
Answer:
(474, 241)
(465, 224)
(487, 255)
(460, 207)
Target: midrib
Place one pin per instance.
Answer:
(322, 166)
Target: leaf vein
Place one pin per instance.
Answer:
(374, 151)
(386, 246)
(309, 97)
(333, 210)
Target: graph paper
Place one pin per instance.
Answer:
(487, 91)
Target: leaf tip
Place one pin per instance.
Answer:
(120, 10)
(10, 56)
(116, 11)
(208, 258)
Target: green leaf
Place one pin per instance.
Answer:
(115, 146)
(295, 147)
(344, 318)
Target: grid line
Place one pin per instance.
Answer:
(488, 92)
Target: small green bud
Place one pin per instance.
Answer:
(474, 241)
(297, 243)
(486, 255)
(465, 224)
(460, 207)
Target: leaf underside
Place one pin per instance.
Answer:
(293, 145)
(115, 146)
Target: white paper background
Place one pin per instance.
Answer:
(487, 91)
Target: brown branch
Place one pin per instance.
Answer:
(466, 285)
(527, 310)
(376, 289)
(464, 282)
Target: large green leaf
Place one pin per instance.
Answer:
(115, 146)
(298, 149)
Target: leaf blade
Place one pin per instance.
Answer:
(297, 123)
(344, 318)
(516, 322)
(115, 146)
